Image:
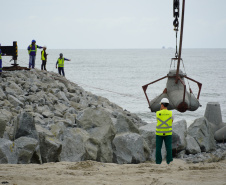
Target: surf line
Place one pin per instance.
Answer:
(98, 88)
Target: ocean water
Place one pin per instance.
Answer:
(119, 74)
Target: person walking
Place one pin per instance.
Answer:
(164, 132)
(44, 58)
(32, 50)
(60, 63)
(1, 60)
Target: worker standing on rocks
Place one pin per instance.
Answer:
(164, 132)
(32, 50)
(44, 58)
(60, 63)
(1, 60)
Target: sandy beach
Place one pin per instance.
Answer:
(91, 172)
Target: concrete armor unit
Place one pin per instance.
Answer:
(175, 92)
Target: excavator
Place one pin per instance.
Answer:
(176, 91)
(12, 51)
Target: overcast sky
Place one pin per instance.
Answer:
(111, 24)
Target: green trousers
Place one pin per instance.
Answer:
(168, 145)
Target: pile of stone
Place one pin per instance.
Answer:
(205, 132)
(46, 118)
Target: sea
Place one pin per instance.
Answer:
(119, 74)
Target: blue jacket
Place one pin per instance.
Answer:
(33, 53)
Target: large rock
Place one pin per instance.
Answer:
(123, 124)
(26, 126)
(98, 123)
(50, 146)
(78, 146)
(70, 117)
(58, 130)
(60, 107)
(16, 88)
(3, 122)
(14, 101)
(10, 130)
(7, 152)
(26, 147)
(220, 135)
(201, 131)
(180, 128)
(61, 95)
(178, 139)
(192, 145)
(2, 94)
(177, 145)
(6, 114)
(129, 148)
(148, 134)
(47, 114)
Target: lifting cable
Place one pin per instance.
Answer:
(176, 14)
(176, 10)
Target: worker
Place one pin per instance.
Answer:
(44, 58)
(1, 60)
(164, 132)
(32, 50)
(60, 63)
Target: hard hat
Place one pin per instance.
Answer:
(164, 100)
(33, 41)
(44, 46)
(61, 54)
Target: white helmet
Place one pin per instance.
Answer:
(45, 46)
(164, 100)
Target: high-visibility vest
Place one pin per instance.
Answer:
(0, 59)
(30, 50)
(60, 62)
(164, 122)
(42, 55)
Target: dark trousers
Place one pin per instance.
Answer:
(61, 69)
(168, 144)
(43, 66)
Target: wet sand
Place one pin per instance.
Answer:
(91, 172)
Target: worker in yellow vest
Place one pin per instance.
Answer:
(60, 63)
(32, 50)
(164, 132)
(44, 58)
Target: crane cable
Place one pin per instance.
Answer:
(176, 7)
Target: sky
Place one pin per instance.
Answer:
(111, 24)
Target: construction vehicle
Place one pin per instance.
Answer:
(12, 51)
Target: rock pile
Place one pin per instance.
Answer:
(46, 118)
